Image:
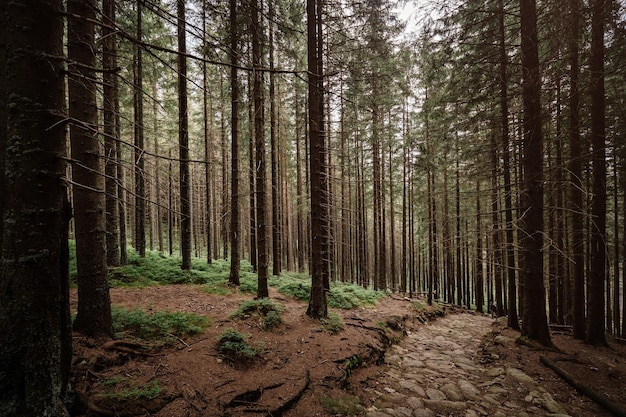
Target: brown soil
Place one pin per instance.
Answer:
(300, 364)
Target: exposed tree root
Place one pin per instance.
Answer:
(252, 399)
(125, 346)
(583, 389)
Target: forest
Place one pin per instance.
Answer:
(468, 152)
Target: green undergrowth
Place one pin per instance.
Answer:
(162, 327)
(161, 269)
(333, 323)
(264, 312)
(121, 388)
(234, 346)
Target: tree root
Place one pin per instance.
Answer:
(583, 389)
(250, 399)
(125, 346)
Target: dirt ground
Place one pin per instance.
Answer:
(301, 365)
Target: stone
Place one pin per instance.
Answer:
(468, 390)
(414, 403)
(445, 405)
(435, 394)
(452, 392)
(520, 376)
(423, 413)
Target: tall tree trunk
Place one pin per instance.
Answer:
(235, 254)
(595, 299)
(94, 303)
(183, 141)
(261, 186)
(495, 223)
(109, 93)
(34, 303)
(534, 320)
(207, 148)
(509, 248)
(299, 192)
(319, 234)
(138, 150)
(274, 157)
(479, 277)
(251, 177)
(576, 187)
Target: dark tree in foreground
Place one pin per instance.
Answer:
(595, 297)
(534, 320)
(33, 309)
(317, 303)
(94, 302)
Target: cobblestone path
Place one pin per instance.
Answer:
(441, 370)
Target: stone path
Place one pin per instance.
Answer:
(440, 370)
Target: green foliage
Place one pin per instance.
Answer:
(344, 406)
(234, 346)
(265, 311)
(159, 326)
(120, 388)
(347, 296)
(333, 323)
(419, 306)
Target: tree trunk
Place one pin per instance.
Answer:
(479, 278)
(138, 150)
(261, 186)
(274, 157)
(109, 93)
(235, 255)
(183, 141)
(317, 303)
(596, 303)
(251, 178)
(576, 187)
(534, 320)
(94, 303)
(207, 149)
(34, 298)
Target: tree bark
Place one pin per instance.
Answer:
(235, 254)
(138, 150)
(576, 187)
(34, 301)
(317, 303)
(110, 95)
(595, 298)
(534, 320)
(261, 186)
(183, 141)
(94, 302)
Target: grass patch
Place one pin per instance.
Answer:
(234, 346)
(333, 324)
(264, 311)
(161, 326)
(344, 406)
(120, 388)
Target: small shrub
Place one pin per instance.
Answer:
(265, 311)
(159, 326)
(333, 323)
(121, 389)
(234, 346)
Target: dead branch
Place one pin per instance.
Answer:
(583, 389)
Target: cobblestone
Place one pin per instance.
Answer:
(437, 371)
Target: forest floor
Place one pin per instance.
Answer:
(303, 369)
